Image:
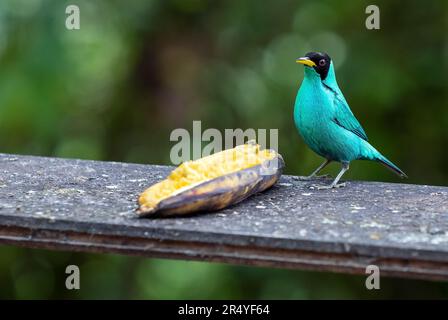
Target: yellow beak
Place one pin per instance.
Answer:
(306, 61)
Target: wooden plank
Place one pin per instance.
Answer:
(80, 205)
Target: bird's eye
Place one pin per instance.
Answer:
(322, 62)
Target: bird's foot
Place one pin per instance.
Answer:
(308, 178)
(331, 186)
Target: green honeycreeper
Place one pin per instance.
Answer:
(326, 123)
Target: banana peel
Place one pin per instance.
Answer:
(213, 182)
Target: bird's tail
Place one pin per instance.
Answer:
(387, 163)
(373, 154)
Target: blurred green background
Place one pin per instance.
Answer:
(136, 70)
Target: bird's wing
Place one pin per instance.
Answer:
(345, 118)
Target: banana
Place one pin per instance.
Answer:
(213, 182)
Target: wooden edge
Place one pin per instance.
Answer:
(240, 255)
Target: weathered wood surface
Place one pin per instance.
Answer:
(89, 206)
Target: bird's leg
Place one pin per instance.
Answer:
(334, 184)
(315, 172)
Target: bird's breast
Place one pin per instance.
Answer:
(312, 116)
(312, 108)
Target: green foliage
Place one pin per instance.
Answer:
(136, 70)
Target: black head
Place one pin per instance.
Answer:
(317, 60)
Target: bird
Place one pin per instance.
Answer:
(326, 123)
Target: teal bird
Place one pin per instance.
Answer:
(326, 123)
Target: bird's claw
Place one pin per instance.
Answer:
(331, 186)
(323, 176)
(308, 178)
